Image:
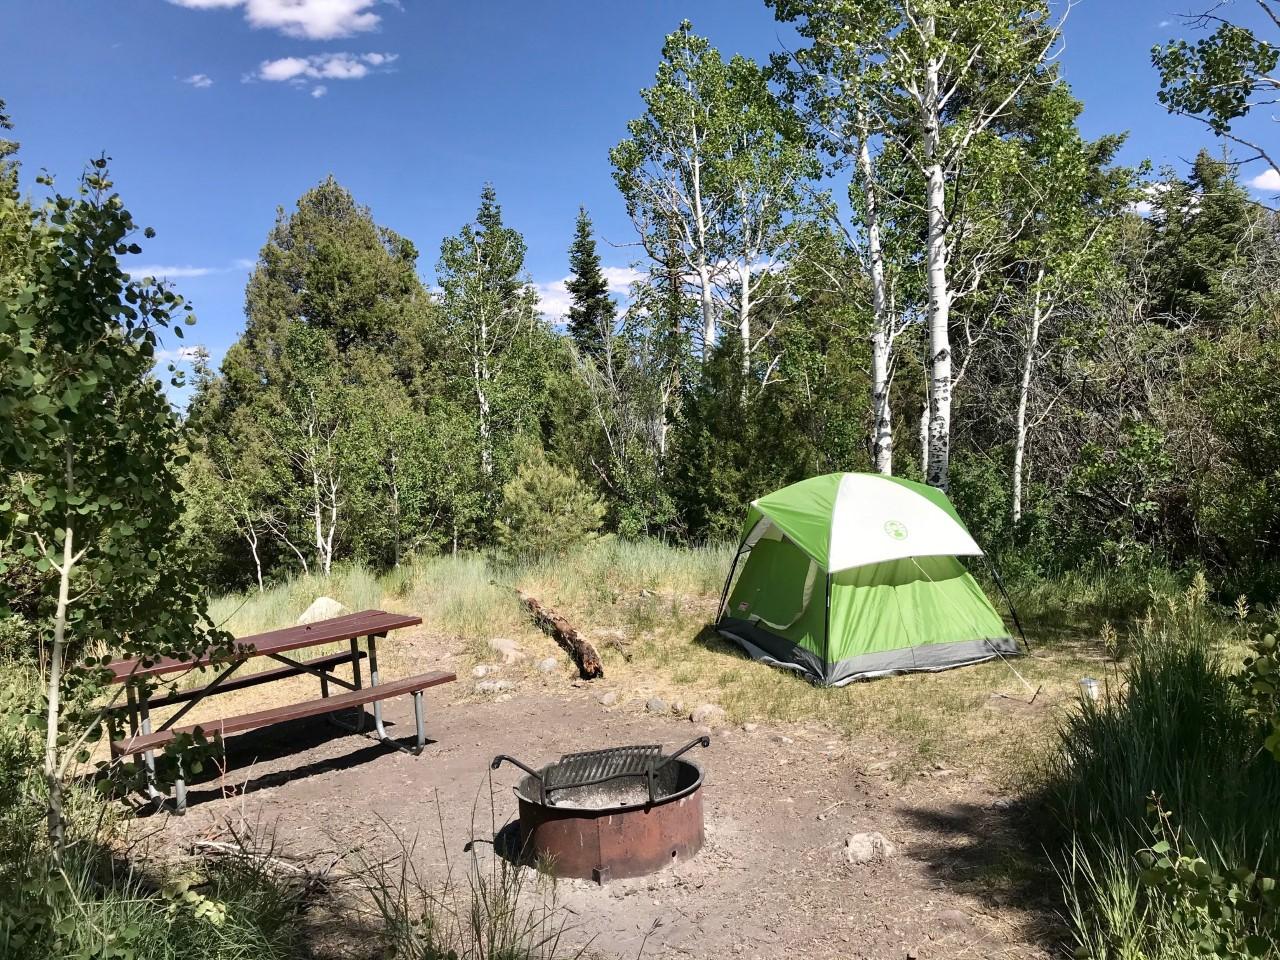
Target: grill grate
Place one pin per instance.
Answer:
(597, 766)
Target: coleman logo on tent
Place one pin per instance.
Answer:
(896, 529)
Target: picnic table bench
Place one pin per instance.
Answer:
(144, 739)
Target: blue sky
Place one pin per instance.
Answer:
(215, 112)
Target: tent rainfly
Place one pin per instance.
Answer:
(849, 576)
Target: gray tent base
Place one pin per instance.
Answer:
(780, 652)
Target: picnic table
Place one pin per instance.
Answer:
(144, 738)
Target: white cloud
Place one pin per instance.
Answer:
(175, 272)
(620, 279)
(1268, 180)
(1165, 23)
(170, 273)
(199, 80)
(554, 295)
(322, 66)
(553, 299)
(307, 19)
(180, 354)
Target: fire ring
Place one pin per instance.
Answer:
(619, 812)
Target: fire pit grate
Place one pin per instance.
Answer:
(574, 770)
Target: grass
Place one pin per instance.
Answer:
(1173, 727)
(647, 606)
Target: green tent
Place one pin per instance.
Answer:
(853, 575)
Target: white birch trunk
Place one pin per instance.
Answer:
(1024, 392)
(744, 325)
(251, 537)
(937, 473)
(882, 338)
(52, 775)
(924, 432)
(882, 426)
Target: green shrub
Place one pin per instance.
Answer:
(546, 510)
(1175, 748)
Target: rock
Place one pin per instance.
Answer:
(508, 649)
(866, 847)
(708, 715)
(494, 686)
(322, 608)
(482, 670)
(678, 708)
(780, 739)
(549, 665)
(750, 727)
(608, 699)
(656, 705)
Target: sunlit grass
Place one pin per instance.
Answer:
(648, 606)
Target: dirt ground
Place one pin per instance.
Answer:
(771, 881)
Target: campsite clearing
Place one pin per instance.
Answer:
(772, 880)
(794, 770)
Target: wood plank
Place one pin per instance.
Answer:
(347, 627)
(293, 711)
(251, 680)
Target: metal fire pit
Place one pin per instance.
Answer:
(620, 812)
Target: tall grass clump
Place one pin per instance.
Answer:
(1167, 771)
(498, 910)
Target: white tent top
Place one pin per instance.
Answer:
(846, 520)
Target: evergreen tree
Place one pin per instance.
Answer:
(1202, 230)
(591, 316)
(546, 510)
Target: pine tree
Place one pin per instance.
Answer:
(591, 317)
(546, 510)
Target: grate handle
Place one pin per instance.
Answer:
(703, 741)
(542, 786)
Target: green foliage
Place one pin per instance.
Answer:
(1226, 915)
(1220, 78)
(592, 312)
(1176, 726)
(96, 908)
(94, 503)
(1259, 678)
(546, 510)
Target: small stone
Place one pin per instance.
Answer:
(549, 665)
(322, 608)
(866, 847)
(708, 715)
(656, 705)
(482, 670)
(494, 686)
(678, 707)
(750, 727)
(779, 738)
(608, 699)
(509, 649)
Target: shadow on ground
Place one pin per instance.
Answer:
(244, 751)
(995, 853)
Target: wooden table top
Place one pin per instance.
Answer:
(297, 637)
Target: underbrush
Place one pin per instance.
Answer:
(1164, 800)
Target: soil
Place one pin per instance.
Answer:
(771, 881)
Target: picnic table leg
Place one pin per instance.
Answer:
(373, 682)
(418, 721)
(355, 675)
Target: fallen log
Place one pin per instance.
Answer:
(560, 630)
